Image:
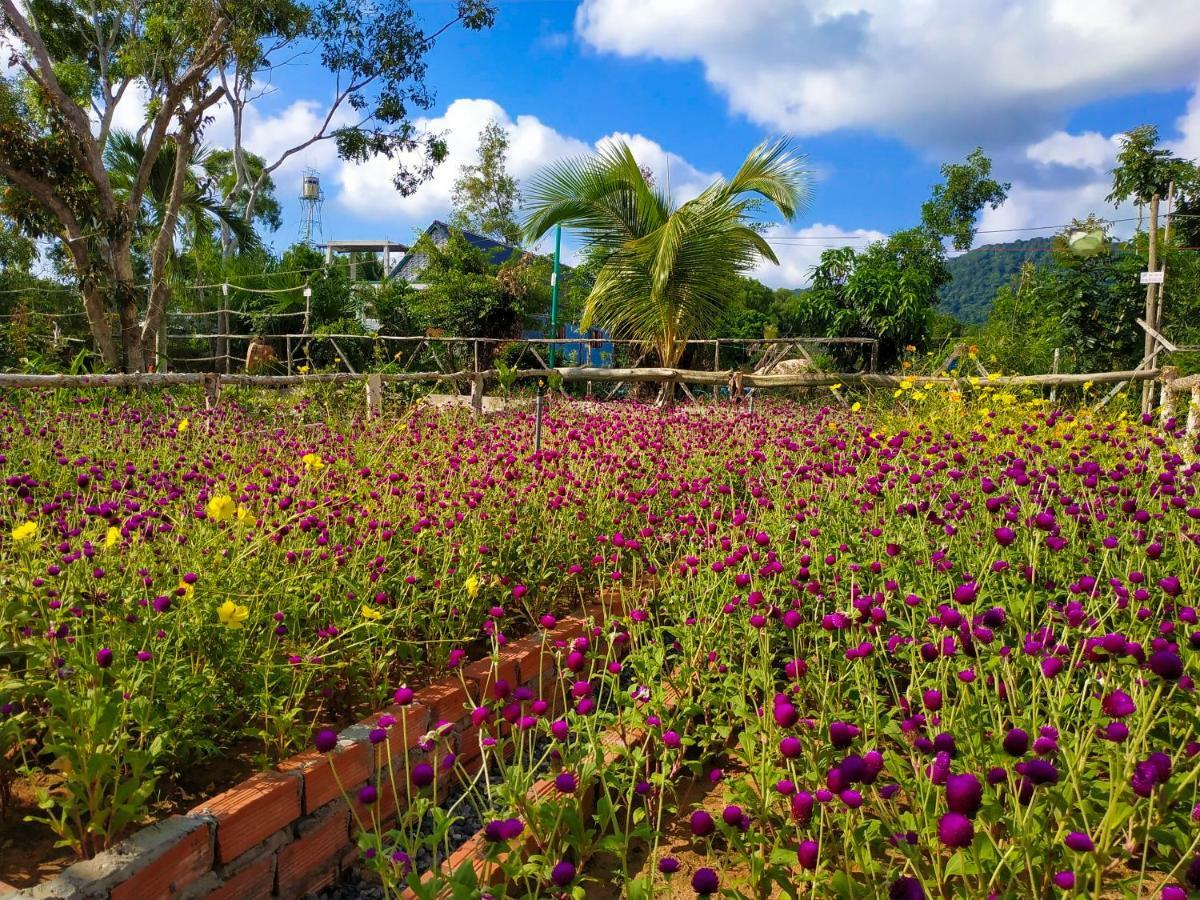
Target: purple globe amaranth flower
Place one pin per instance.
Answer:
(785, 715)
(791, 747)
(1173, 892)
(955, 830)
(1114, 731)
(404, 695)
(1079, 842)
(560, 729)
(104, 657)
(1065, 879)
(1170, 585)
(966, 593)
(367, 794)
(1004, 535)
(802, 806)
(1016, 742)
(668, 865)
(1118, 705)
(1166, 664)
(701, 823)
(422, 774)
(808, 854)
(1039, 771)
(563, 873)
(705, 881)
(731, 815)
(842, 734)
(964, 794)
(566, 782)
(906, 888)
(672, 739)
(932, 699)
(326, 740)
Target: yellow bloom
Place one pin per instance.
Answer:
(835, 387)
(312, 461)
(111, 538)
(24, 532)
(897, 392)
(303, 370)
(906, 385)
(221, 508)
(369, 612)
(918, 395)
(1087, 386)
(472, 586)
(855, 406)
(243, 515)
(189, 590)
(182, 426)
(231, 615)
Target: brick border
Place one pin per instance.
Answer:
(287, 831)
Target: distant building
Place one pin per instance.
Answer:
(410, 265)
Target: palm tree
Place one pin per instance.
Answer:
(664, 270)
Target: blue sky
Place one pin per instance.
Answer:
(876, 92)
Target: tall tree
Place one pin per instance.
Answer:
(376, 53)
(665, 268)
(486, 196)
(966, 188)
(77, 61)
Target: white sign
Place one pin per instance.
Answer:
(1152, 277)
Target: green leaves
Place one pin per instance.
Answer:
(664, 273)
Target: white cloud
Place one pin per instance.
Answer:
(937, 73)
(799, 249)
(366, 188)
(1090, 150)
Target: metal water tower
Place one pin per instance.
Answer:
(311, 198)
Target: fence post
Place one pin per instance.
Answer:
(537, 422)
(1193, 420)
(477, 386)
(288, 343)
(875, 356)
(1054, 370)
(374, 396)
(1167, 376)
(212, 390)
(716, 367)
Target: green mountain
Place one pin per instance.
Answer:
(977, 274)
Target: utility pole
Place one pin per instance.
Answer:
(554, 292)
(1151, 297)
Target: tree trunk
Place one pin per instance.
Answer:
(97, 316)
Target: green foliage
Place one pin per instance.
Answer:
(886, 291)
(966, 189)
(485, 194)
(664, 269)
(976, 276)
(1144, 169)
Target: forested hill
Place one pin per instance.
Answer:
(977, 275)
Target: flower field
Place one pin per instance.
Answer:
(925, 650)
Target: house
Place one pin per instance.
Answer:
(410, 265)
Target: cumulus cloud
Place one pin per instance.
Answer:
(941, 73)
(366, 190)
(799, 249)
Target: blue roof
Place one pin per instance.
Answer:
(411, 264)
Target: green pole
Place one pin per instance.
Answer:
(554, 291)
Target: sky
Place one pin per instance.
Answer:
(876, 93)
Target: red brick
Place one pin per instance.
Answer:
(534, 659)
(254, 882)
(320, 843)
(446, 700)
(351, 760)
(180, 864)
(567, 630)
(487, 671)
(253, 811)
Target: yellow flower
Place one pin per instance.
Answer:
(472, 586)
(221, 508)
(111, 538)
(189, 590)
(312, 461)
(855, 406)
(243, 515)
(303, 370)
(368, 612)
(897, 392)
(1087, 386)
(918, 395)
(231, 615)
(24, 532)
(906, 385)
(835, 387)
(182, 426)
